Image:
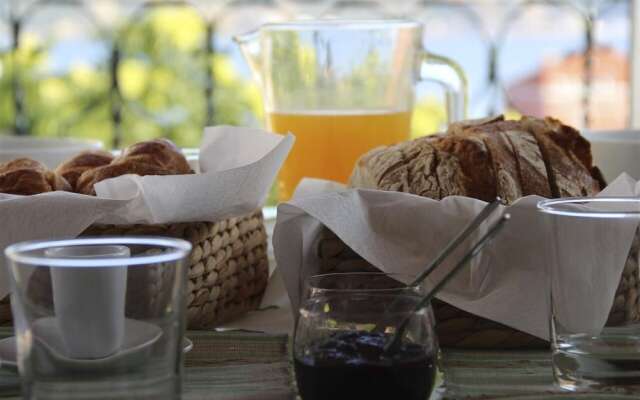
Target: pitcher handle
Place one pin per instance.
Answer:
(450, 75)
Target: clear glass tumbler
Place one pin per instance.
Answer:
(343, 325)
(594, 303)
(99, 318)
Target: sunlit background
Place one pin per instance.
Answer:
(124, 71)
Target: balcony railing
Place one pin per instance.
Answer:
(125, 71)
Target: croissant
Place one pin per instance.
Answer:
(76, 166)
(24, 176)
(154, 157)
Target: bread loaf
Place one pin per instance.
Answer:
(485, 158)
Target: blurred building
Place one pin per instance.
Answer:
(558, 89)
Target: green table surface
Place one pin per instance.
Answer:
(255, 366)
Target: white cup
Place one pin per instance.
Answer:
(615, 152)
(89, 301)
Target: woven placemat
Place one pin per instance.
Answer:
(255, 366)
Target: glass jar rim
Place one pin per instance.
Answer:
(178, 249)
(560, 207)
(404, 287)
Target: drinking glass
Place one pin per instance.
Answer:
(595, 341)
(344, 322)
(99, 318)
(343, 87)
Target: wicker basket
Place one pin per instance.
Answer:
(228, 268)
(460, 329)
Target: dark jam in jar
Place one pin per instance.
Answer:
(351, 365)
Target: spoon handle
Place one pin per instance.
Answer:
(452, 245)
(475, 250)
(462, 236)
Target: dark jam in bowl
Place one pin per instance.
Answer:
(351, 365)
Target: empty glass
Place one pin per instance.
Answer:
(342, 328)
(100, 317)
(594, 305)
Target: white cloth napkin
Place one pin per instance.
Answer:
(508, 282)
(237, 169)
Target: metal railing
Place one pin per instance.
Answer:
(115, 37)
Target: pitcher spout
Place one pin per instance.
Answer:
(249, 44)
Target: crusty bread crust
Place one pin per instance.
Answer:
(567, 173)
(485, 158)
(521, 146)
(475, 162)
(435, 166)
(533, 172)
(407, 167)
(570, 139)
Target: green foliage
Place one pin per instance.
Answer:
(7, 110)
(162, 76)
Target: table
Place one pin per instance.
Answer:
(255, 366)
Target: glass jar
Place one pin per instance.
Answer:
(343, 328)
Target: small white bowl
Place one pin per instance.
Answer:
(49, 151)
(615, 152)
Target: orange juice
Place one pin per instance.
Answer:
(328, 143)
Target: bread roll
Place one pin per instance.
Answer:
(161, 153)
(154, 157)
(76, 166)
(24, 176)
(22, 163)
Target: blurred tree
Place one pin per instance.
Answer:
(162, 74)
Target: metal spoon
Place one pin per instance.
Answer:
(462, 236)
(396, 339)
(486, 212)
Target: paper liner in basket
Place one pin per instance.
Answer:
(507, 283)
(237, 169)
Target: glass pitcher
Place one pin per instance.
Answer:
(343, 87)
